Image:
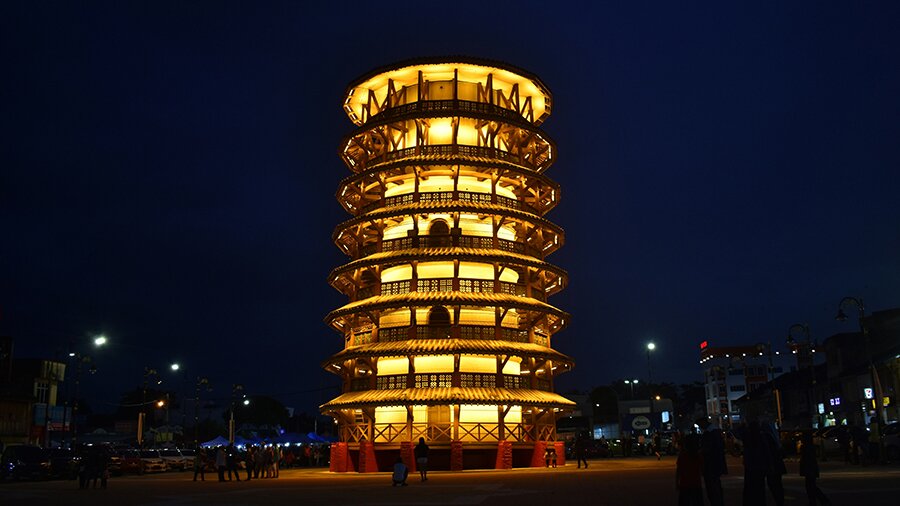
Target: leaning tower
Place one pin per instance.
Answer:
(447, 332)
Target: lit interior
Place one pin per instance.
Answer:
(434, 363)
(389, 366)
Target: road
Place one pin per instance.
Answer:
(612, 482)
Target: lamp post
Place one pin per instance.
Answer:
(80, 359)
(201, 382)
(235, 388)
(876, 382)
(631, 383)
(650, 347)
(142, 416)
(804, 350)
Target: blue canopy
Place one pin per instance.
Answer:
(218, 441)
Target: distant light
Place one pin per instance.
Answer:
(100, 340)
(160, 403)
(704, 344)
(176, 366)
(71, 353)
(651, 346)
(246, 402)
(657, 397)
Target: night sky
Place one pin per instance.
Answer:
(168, 171)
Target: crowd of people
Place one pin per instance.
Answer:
(701, 463)
(256, 461)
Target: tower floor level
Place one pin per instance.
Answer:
(448, 327)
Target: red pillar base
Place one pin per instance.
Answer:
(504, 455)
(340, 456)
(456, 456)
(560, 453)
(537, 458)
(367, 461)
(408, 455)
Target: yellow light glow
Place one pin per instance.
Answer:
(388, 366)
(478, 364)
(399, 273)
(390, 414)
(434, 270)
(434, 363)
(475, 413)
(440, 131)
(513, 366)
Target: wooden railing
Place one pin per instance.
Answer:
(389, 334)
(536, 161)
(466, 106)
(462, 241)
(461, 196)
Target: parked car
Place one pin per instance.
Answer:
(175, 460)
(25, 462)
(890, 436)
(114, 466)
(152, 461)
(64, 463)
(131, 461)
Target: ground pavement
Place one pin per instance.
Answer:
(642, 481)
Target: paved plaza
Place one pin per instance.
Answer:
(613, 482)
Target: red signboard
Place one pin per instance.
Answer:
(703, 345)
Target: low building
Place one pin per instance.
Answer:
(28, 397)
(730, 372)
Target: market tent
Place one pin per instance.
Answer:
(218, 441)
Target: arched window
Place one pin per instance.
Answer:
(439, 234)
(439, 323)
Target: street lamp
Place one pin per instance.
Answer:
(80, 360)
(876, 382)
(804, 350)
(650, 347)
(235, 388)
(632, 383)
(201, 382)
(142, 416)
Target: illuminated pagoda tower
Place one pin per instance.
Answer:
(448, 329)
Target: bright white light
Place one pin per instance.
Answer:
(99, 340)
(651, 346)
(246, 402)
(175, 366)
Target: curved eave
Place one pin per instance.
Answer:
(449, 395)
(456, 60)
(446, 207)
(421, 347)
(386, 259)
(347, 184)
(420, 299)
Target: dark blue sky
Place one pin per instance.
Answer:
(168, 170)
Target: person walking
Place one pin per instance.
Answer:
(776, 467)
(712, 448)
(421, 453)
(200, 464)
(809, 469)
(756, 465)
(250, 461)
(657, 443)
(580, 450)
(221, 462)
(688, 469)
(231, 460)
